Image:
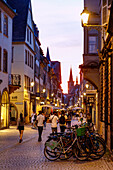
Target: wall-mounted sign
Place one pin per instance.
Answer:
(14, 97)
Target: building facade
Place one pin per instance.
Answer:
(6, 18)
(105, 88)
(90, 66)
(106, 73)
(22, 58)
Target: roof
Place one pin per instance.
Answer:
(5, 2)
(20, 20)
(57, 69)
(71, 76)
(48, 55)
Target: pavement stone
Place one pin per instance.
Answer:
(29, 154)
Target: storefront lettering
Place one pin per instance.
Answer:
(14, 97)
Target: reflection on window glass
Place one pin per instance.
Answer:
(92, 44)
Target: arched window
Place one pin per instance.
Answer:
(5, 61)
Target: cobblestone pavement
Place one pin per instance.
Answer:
(29, 154)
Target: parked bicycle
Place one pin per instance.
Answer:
(80, 142)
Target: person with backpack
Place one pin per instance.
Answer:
(20, 126)
(54, 120)
(69, 119)
(62, 121)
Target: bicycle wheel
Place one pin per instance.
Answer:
(51, 151)
(65, 156)
(81, 152)
(98, 149)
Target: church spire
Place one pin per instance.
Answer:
(48, 55)
(71, 76)
(70, 82)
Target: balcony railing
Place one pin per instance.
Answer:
(14, 79)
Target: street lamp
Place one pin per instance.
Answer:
(85, 17)
(32, 84)
(87, 85)
(44, 90)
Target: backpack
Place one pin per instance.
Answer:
(62, 120)
(34, 117)
(69, 117)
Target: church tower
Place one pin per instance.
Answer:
(70, 82)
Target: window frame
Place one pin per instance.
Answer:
(92, 47)
(12, 59)
(27, 34)
(26, 57)
(5, 26)
(0, 21)
(5, 61)
(30, 38)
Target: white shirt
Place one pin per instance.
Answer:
(54, 119)
(40, 119)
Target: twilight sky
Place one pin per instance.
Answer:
(60, 29)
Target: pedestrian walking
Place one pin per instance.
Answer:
(69, 119)
(20, 126)
(45, 115)
(62, 121)
(54, 120)
(40, 124)
(32, 119)
(88, 117)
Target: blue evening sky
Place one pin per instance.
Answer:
(60, 29)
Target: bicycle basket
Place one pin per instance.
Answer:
(52, 144)
(80, 131)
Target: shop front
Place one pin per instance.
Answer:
(4, 116)
(13, 114)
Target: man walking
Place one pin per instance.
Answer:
(40, 124)
(62, 121)
(54, 119)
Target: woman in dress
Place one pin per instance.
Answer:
(20, 126)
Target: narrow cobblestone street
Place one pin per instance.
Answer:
(29, 154)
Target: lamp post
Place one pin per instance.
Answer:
(85, 18)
